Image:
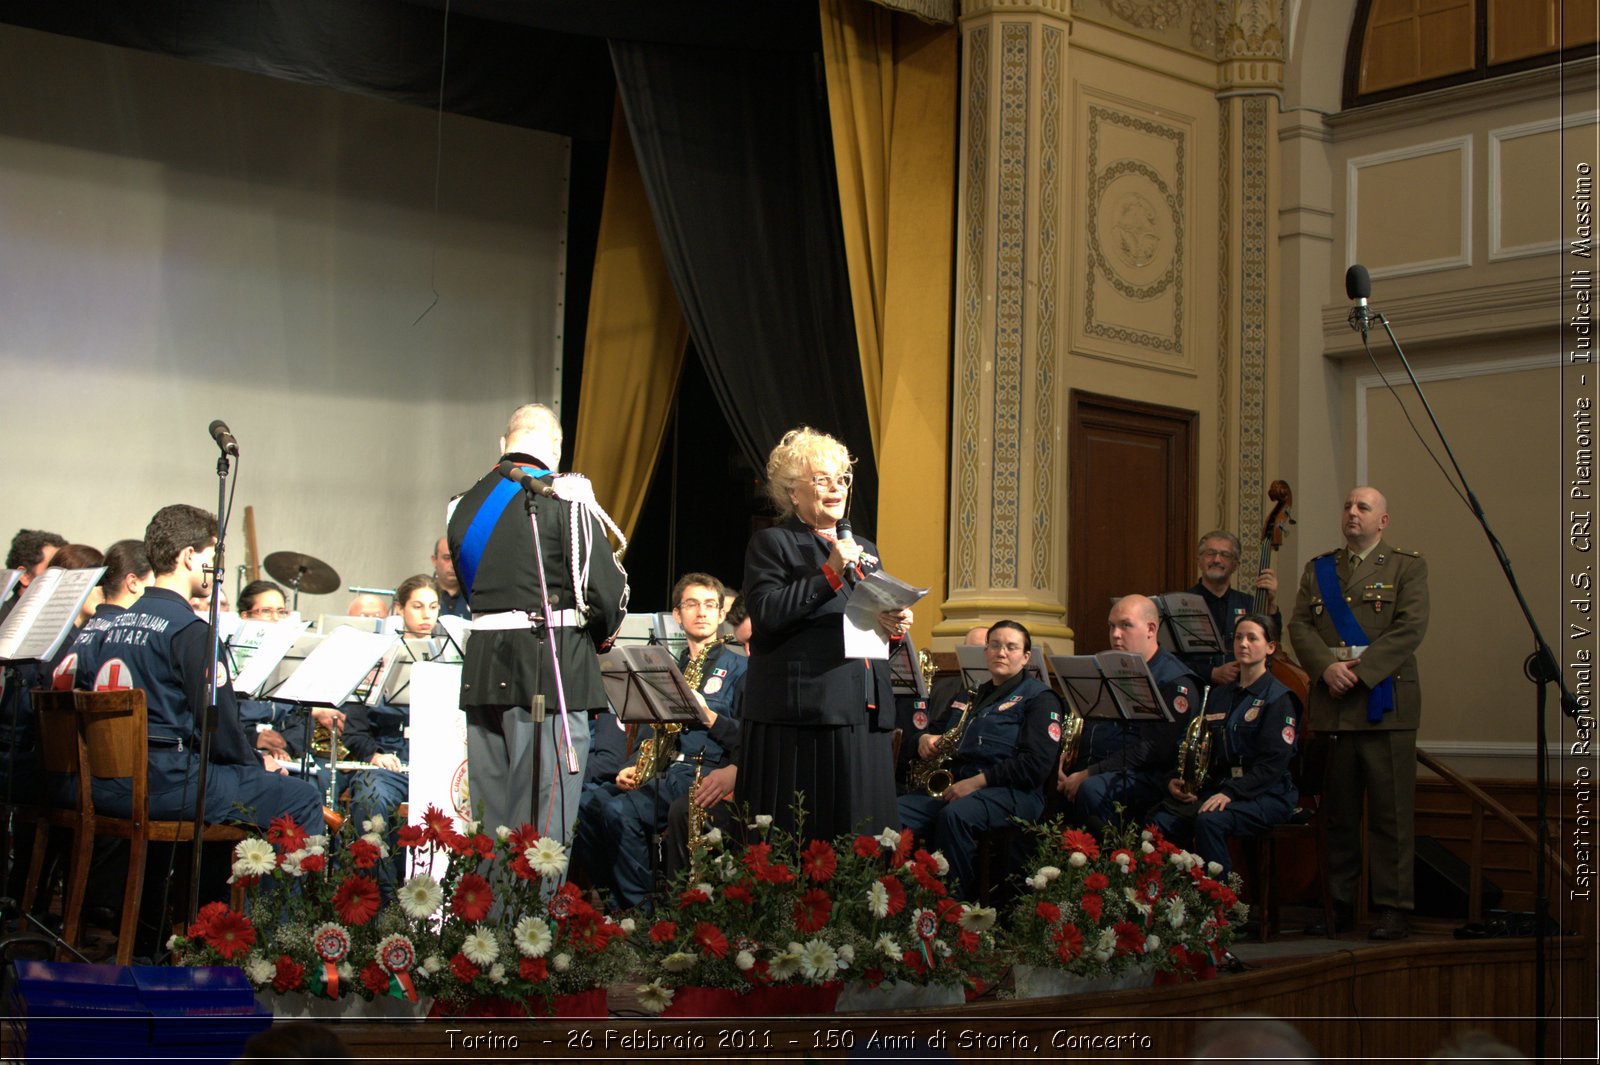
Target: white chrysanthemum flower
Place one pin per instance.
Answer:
(710, 892)
(474, 827)
(679, 961)
(1179, 859)
(888, 947)
(1049, 872)
(561, 962)
(317, 844)
(627, 924)
(1147, 847)
(480, 946)
(532, 937)
(1038, 883)
(260, 971)
(174, 941)
(978, 918)
(1175, 912)
(940, 863)
(1106, 945)
(655, 996)
(785, 964)
(888, 839)
(373, 824)
(253, 856)
(432, 964)
(497, 973)
(1146, 835)
(818, 960)
(763, 822)
(1078, 860)
(847, 955)
(502, 833)
(744, 960)
(1152, 943)
(1123, 860)
(727, 868)
(291, 863)
(1213, 869)
(878, 899)
(420, 896)
(713, 837)
(547, 856)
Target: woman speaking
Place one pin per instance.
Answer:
(815, 722)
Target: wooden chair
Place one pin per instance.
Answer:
(61, 752)
(1310, 770)
(114, 733)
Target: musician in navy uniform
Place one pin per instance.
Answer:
(1254, 721)
(1365, 689)
(619, 822)
(1129, 764)
(508, 662)
(815, 722)
(1001, 764)
(1218, 556)
(159, 645)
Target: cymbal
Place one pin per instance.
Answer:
(312, 575)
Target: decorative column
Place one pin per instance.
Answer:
(1249, 85)
(1007, 472)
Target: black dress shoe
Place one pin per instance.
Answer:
(1344, 919)
(1392, 924)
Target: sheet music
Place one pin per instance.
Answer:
(8, 582)
(644, 686)
(873, 594)
(1186, 618)
(1110, 684)
(256, 649)
(339, 664)
(42, 618)
(905, 671)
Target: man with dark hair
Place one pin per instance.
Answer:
(31, 551)
(160, 646)
(618, 822)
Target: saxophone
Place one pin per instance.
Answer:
(657, 750)
(1071, 739)
(1194, 753)
(697, 826)
(933, 774)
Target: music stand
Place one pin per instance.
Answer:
(646, 687)
(975, 667)
(905, 671)
(1187, 623)
(1111, 685)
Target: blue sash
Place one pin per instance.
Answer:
(1381, 700)
(483, 523)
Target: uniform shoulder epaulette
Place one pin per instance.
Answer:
(1325, 554)
(1408, 554)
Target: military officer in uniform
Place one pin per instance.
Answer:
(508, 665)
(1130, 764)
(999, 767)
(1360, 615)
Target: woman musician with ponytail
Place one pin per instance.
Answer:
(1253, 723)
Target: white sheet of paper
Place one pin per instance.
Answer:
(874, 593)
(258, 647)
(39, 623)
(331, 672)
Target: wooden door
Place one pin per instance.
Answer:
(1131, 525)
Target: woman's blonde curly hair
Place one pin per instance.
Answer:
(800, 452)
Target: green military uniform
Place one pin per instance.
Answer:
(1388, 592)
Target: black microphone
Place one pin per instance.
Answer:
(512, 472)
(841, 532)
(225, 441)
(1358, 287)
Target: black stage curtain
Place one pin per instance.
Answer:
(736, 157)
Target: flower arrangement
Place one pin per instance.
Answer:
(1100, 908)
(495, 929)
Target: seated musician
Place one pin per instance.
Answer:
(75, 556)
(1129, 764)
(381, 735)
(1001, 762)
(1218, 556)
(1248, 788)
(159, 645)
(452, 599)
(617, 823)
(936, 716)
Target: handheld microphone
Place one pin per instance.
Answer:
(842, 532)
(1358, 287)
(219, 432)
(512, 472)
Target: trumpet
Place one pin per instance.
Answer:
(933, 774)
(1194, 753)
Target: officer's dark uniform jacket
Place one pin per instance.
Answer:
(1154, 745)
(1008, 735)
(508, 667)
(1253, 735)
(722, 684)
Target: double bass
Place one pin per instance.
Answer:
(1288, 673)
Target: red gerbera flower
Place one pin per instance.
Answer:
(284, 834)
(534, 969)
(472, 898)
(1130, 938)
(902, 849)
(462, 969)
(231, 933)
(1093, 905)
(1076, 839)
(1048, 912)
(1096, 882)
(866, 847)
(356, 900)
(437, 825)
(711, 939)
(896, 892)
(663, 931)
(410, 836)
(818, 861)
(375, 977)
(1069, 942)
(364, 854)
(811, 911)
(287, 975)
(756, 855)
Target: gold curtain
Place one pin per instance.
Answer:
(633, 346)
(892, 98)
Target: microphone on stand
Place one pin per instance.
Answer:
(512, 472)
(1358, 287)
(219, 432)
